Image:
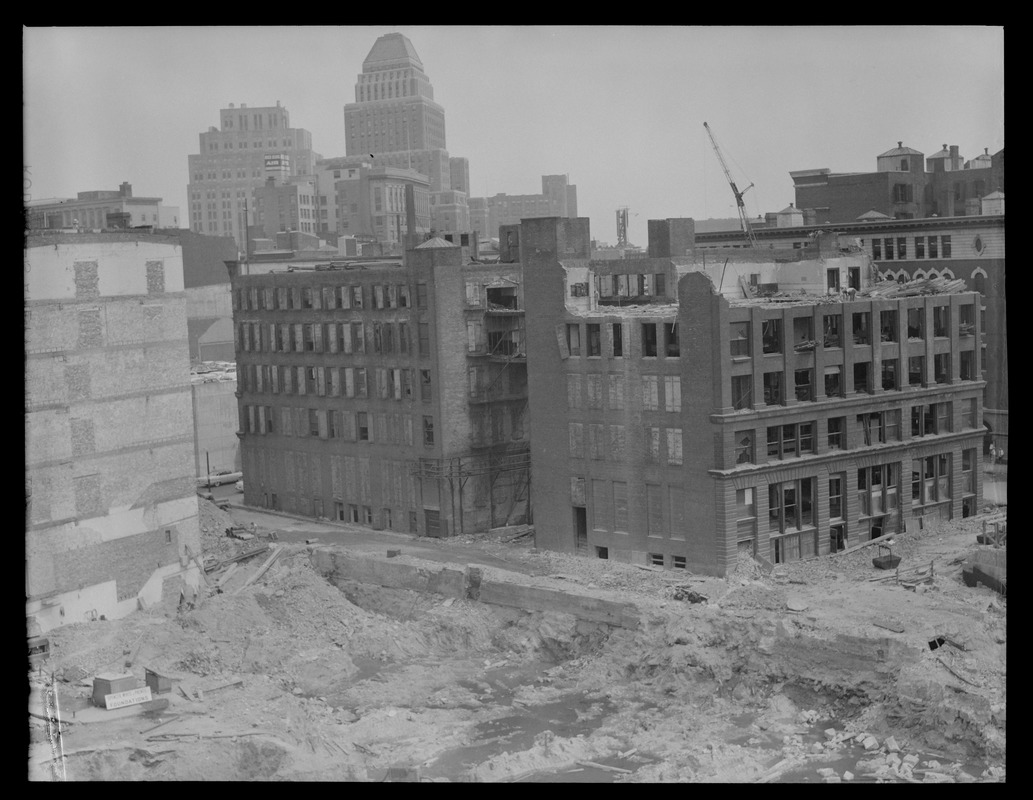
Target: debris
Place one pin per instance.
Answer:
(956, 674)
(888, 625)
(685, 594)
(312, 541)
(393, 553)
(234, 685)
(796, 605)
(891, 745)
(262, 570)
(606, 767)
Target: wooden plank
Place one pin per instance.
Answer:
(226, 575)
(261, 570)
(193, 557)
(866, 544)
(606, 767)
(889, 625)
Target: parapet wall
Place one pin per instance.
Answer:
(339, 565)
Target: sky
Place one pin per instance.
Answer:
(618, 109)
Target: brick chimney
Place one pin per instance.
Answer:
(126, 189)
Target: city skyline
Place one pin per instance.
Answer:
(608, 106)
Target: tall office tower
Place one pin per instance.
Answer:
(394, 108)
(232, 162)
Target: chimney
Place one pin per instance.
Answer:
(900, 144)
(126, 189)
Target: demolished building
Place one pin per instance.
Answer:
(111, 513)
(689, 407)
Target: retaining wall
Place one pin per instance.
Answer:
(339, 565)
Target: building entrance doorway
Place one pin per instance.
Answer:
(580, 528)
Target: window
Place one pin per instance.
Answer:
(916, 370)
(616, 392)
(790, 505)
(833, 381)
(362, 426)
(573, 392)
(424, 335)
(678, 562)
(313, 422)
(656, 559)
(771, 336)
(745, 508)
(862, 377)
(928, 420)
(933, 249)
(837, 433)
(941, 367)
(426, 390)
(877, 489)
(902, 246)
(804, 379)
(836, 483)
(888, 326)
(968, 459)
(595, 346)
(889, 249)
(674, 454)
(650, 393)
(672, 392)
(672, 349)
(789, 441)
(773, 388)
(739, 340)
(428, 431)
(969, 413)
(833, 330)
(877, 249)
(649, 339)
(356, 297)
(919, 247)
(890, 374)
(421, 295)
(967, 365)
(945, 246)
(862, 328)
(618, 340)
(653, 445)
(744, 447)
(966, 321)
(941, 321)
(595, 390)
(872, 430)
(742, 392)
(574, 339)
(803, 333)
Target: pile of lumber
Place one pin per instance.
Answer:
(915, 288)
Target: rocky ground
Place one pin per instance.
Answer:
(813, 672)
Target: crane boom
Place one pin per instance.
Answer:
(744, 219)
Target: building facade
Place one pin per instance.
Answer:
(97, 210)
(971, 248)
(699, 423)
(111, 502)
(905, 185)
(558, 199)
(231, 164)
(386, 394)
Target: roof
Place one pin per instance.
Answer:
(790, 209)
(995, 195)
(873, 214)
(437, 241)
(900, 150)
(391, 48)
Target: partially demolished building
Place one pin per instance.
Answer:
(692, 406)
(111, 506)
(390, 393)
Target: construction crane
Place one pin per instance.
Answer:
(744, 219)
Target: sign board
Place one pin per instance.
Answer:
(130, 698)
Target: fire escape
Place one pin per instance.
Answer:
(498, 356)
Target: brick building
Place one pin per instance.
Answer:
(905, 185)
(971, 248)
(109, 430)
(96, 210)
(386, 393)
(698, 422)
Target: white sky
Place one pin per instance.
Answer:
(618, 109)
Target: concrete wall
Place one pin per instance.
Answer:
(216, 444)
(339, 565)
(108, 424)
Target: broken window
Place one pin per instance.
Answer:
(739, 339)
(890, 374)
(837, 433)
(862, 328)
(744, 447)
(771, 336)
(742, 392)
(833, 381)
(773, 393)
(618, 340)
(832, 333)
(862, 377)
(916, 370)
(595, 346)
(672, 349)
(941, 321)
(649, 339)
(804, 384)
(574, 339)
(915, 323)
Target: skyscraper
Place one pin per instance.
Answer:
(394, 109)
(232, 163)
